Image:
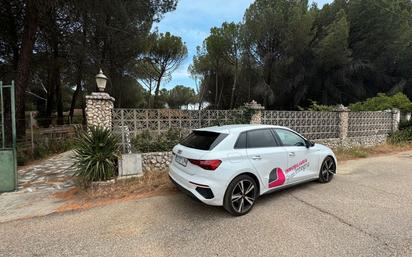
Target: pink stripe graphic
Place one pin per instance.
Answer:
(280, 179)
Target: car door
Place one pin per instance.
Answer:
(267, 157)
(301, 160)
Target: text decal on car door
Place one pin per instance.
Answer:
(299, 165)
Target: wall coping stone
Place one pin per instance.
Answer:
(254, 105)
(342, 108)
(100, 96)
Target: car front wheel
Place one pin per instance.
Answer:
(327, 170)
(241, 195)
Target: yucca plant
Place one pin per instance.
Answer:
(96, 153)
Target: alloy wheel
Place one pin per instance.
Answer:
(328, 169)
(243, 196)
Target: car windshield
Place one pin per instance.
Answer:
(203, 140)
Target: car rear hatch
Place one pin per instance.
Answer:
(195, 148)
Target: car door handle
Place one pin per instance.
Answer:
(257, 157)
(292, 154)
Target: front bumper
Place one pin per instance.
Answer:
(197, 187)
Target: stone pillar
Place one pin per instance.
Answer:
(396, 119)
(99, 108)
(256, 117)
(343, 121)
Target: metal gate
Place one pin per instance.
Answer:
(8, 158)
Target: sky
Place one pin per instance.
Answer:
(192, 21)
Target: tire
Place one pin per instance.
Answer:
(327, 170)
(240, 201)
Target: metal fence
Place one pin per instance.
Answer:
(367, 123)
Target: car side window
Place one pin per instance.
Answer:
(241, 141)
(260, 138)
(289, 138)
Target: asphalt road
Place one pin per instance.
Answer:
(365, 211)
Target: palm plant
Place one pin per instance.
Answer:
(96, 153)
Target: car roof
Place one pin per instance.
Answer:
(227, 129)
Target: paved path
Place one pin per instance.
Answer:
(52, 174)
(37, 184)
(365, 211)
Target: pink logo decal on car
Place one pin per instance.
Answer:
(276, 178)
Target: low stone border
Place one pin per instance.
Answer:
(157, 161)
(351, 142)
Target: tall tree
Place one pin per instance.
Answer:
(30, 24)
(332, 54)
(165, 55)
(179, 96)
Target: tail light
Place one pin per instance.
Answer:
(207, 165)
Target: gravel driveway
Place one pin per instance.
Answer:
(365, 211)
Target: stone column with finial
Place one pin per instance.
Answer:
(99, 105)
(257, 109)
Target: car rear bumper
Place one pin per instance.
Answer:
(197, 187)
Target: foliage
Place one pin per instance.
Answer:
(404, 135)
(53, 49)
(44, 147)
(179, 96)
(316, 107)
(405, 124)
(383, 102)
(401, 136)
(289, 53)
(166, 52)
(95, 155)
(352, 153)
(146, 142)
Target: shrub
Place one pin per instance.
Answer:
(95, 155)
(43, 148)
(316, 107)
(401, 136)
(147, 142)
(405, 124)
(404, 135)
(383, 102)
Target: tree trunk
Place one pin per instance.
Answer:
(59, 97)
(23, 67)
(73, 103)
(50, 94)
(156, 96)
(83, 101)
(232, 97)
(75, 94)
(157, 90)
(217, 85)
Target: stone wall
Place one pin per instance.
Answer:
(351, 142)
(99, 108)
(158, 161)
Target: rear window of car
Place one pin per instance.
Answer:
(203, 140)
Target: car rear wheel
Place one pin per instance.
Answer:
(241, 195)
(327, 170)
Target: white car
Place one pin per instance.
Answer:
(233, 165)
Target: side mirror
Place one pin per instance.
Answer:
(309, 144)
